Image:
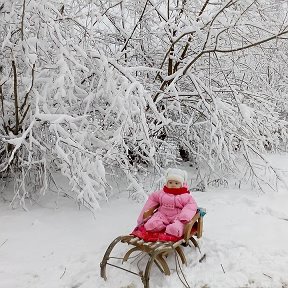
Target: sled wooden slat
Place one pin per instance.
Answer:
(157, 252)
(134, 240)
(154, 244)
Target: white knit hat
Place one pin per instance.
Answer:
(176, 174)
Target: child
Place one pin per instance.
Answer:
(176, 205)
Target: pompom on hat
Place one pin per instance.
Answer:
(176, 174)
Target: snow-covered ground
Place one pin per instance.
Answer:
(245, 240)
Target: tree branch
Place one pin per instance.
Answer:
(22, 20)
(231, 50)
(141, 16)
(31, 86)
(2, 99)
(24, 115)
(16, 103)
(202, 9)
(157, 11)
(110, 7)
(248, 46)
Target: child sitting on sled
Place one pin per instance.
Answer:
(176, 205)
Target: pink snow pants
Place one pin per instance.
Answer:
(159, 222)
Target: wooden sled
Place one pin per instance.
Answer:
(157, 251)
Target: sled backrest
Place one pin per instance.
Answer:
(194, 227)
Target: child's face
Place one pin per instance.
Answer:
(173, 184)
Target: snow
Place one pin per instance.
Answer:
(57, 245)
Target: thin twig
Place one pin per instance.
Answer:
(139, 21)
(63, 273)
(2, 99)
(31, 86)
(110, 7)
(267, 275)
(3, 242)
(222, 269)
(202, 258)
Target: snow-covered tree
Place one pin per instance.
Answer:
(109, 87)
(214, 84)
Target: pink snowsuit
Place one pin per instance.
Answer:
(174, 211)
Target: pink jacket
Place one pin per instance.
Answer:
(173, 207)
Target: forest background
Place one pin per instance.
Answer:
(102, 91)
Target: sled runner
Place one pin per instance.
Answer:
(155, 245)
